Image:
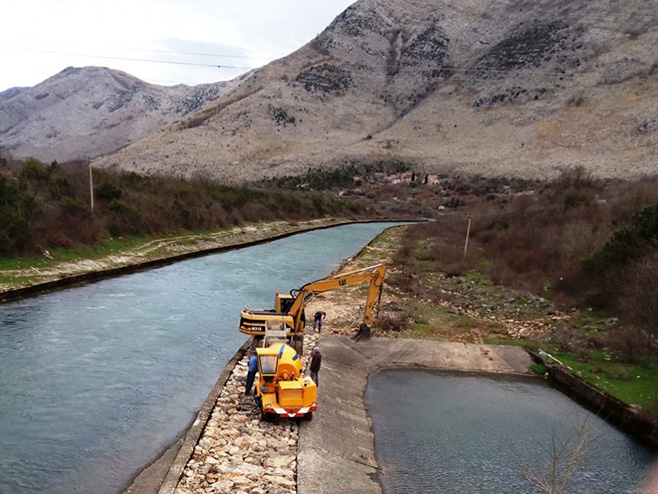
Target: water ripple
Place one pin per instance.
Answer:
(96, 380)
(479, 435)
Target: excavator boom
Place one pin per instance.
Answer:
(253, 322)
(373, 274)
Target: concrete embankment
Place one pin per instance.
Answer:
(629, 418)
(336, 450)
(229, 449)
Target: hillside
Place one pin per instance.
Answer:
(86, 112)
(506, 87)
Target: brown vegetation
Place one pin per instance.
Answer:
(48, 206)
(559, 240)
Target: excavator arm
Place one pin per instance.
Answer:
(373, 274)
(253, 322)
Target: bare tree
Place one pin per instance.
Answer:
(564, 455)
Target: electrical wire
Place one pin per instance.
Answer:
(148, 50)
(108, 57)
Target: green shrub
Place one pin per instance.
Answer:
(17, 210)
(33, 170)
(107, 191)
(318, 204)
(73, 206)
(627, 244)
(646, 223)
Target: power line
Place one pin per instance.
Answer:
(107, 57)
(195, 54)
(171, 52)
(167, 81)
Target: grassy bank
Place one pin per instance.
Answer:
(17, 272)
(49, 207)
(432, 299)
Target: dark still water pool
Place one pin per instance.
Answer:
(96, 380)
(453, 434)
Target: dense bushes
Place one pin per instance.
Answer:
(48, 206)
(627, 244)
(577, 240)
(18, 210)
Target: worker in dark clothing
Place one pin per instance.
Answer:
(251, 374)
(316, 361)
(317, 320)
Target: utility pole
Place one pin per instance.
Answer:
(91, 189)
(468, 231)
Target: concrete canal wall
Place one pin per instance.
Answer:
(606, 406)
(336, 449)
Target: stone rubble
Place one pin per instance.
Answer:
(239, 453)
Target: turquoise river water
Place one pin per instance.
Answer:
(95, 381)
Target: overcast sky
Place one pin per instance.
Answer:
(39, 38)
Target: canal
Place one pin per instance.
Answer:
(450, 433)
(95, 381)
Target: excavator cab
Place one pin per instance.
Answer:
(283, 303)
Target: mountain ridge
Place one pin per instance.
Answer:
(496, 88)
(510, 87)
(85, 112)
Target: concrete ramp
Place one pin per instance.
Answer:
(336, 449)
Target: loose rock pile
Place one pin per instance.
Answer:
(239, 453)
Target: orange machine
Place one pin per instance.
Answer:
(282, 390)
(289, 309)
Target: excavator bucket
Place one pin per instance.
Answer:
(363, 332)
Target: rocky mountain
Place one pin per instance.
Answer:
(10, 93)
(86, 112)
(495, 87)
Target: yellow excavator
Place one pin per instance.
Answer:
(282, 390)
(288, 312)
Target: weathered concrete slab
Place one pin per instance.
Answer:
(336, 450)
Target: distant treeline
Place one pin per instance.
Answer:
(46, 206)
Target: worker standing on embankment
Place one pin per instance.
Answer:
(251, 374)
(316, 361)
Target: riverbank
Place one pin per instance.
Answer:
(335, 451)
(238, 453)
(49, 273)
